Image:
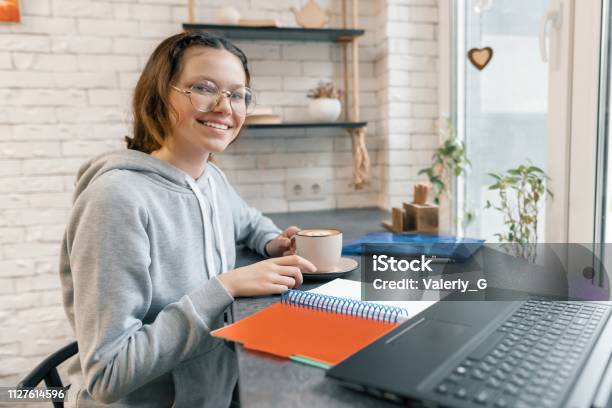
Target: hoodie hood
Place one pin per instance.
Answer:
(126, 159)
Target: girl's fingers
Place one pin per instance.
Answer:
(277, 289)
(285, 281)
(284, 242)
(295, 260)
(290, 231)
(292, 246)
(292, 272)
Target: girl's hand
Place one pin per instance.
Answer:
(272, 276)
(282, 245)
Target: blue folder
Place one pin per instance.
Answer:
(407, 244)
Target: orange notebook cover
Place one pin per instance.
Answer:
(311, 328)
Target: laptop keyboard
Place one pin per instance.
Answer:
(530, 361)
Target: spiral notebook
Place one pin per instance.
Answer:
(314, 328)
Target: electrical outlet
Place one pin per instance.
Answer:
(305, 189)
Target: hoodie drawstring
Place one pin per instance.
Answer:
(215, 205)
(209, 236)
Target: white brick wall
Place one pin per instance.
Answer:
(408, 96)
(66, 76)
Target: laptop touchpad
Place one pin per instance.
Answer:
(424, 347)
(435, 333)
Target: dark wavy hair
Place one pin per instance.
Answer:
(151, 103)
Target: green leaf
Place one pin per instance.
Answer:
(536, 169)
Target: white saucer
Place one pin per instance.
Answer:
(345, 266)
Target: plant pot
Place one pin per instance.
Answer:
(324, 109)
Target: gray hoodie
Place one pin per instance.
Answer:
(138, 266)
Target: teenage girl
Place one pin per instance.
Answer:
(147, 262)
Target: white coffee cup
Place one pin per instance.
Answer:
(321, 246)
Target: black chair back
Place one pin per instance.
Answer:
(47, 371)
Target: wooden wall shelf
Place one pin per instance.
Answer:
(236, 32)
(349, 37)
(296, 125)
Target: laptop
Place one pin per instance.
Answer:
(522, 354)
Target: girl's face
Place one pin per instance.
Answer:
(200, 133)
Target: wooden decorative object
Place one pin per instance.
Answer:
(421, 218)
(418, 216)
(311, 16)
(421, 192)
(396, 223)
(480, 57)
(397, 219)
(262, 115)
(259, 22)
(262, 119)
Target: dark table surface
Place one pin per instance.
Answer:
(266, 381)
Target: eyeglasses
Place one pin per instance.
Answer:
(206, 95)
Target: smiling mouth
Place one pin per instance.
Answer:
(213, 125)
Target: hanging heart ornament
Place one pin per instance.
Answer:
(480, 57)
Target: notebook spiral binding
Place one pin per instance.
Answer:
(346, 306)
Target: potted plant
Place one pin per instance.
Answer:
(448, 161)
(521, 192)
(325, 103)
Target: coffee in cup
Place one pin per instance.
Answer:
(321, 246)
(318, 232)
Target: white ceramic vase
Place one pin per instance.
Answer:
(227, 16)
(324, 109)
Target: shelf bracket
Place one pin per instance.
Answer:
(361, 158)
(190, 9)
